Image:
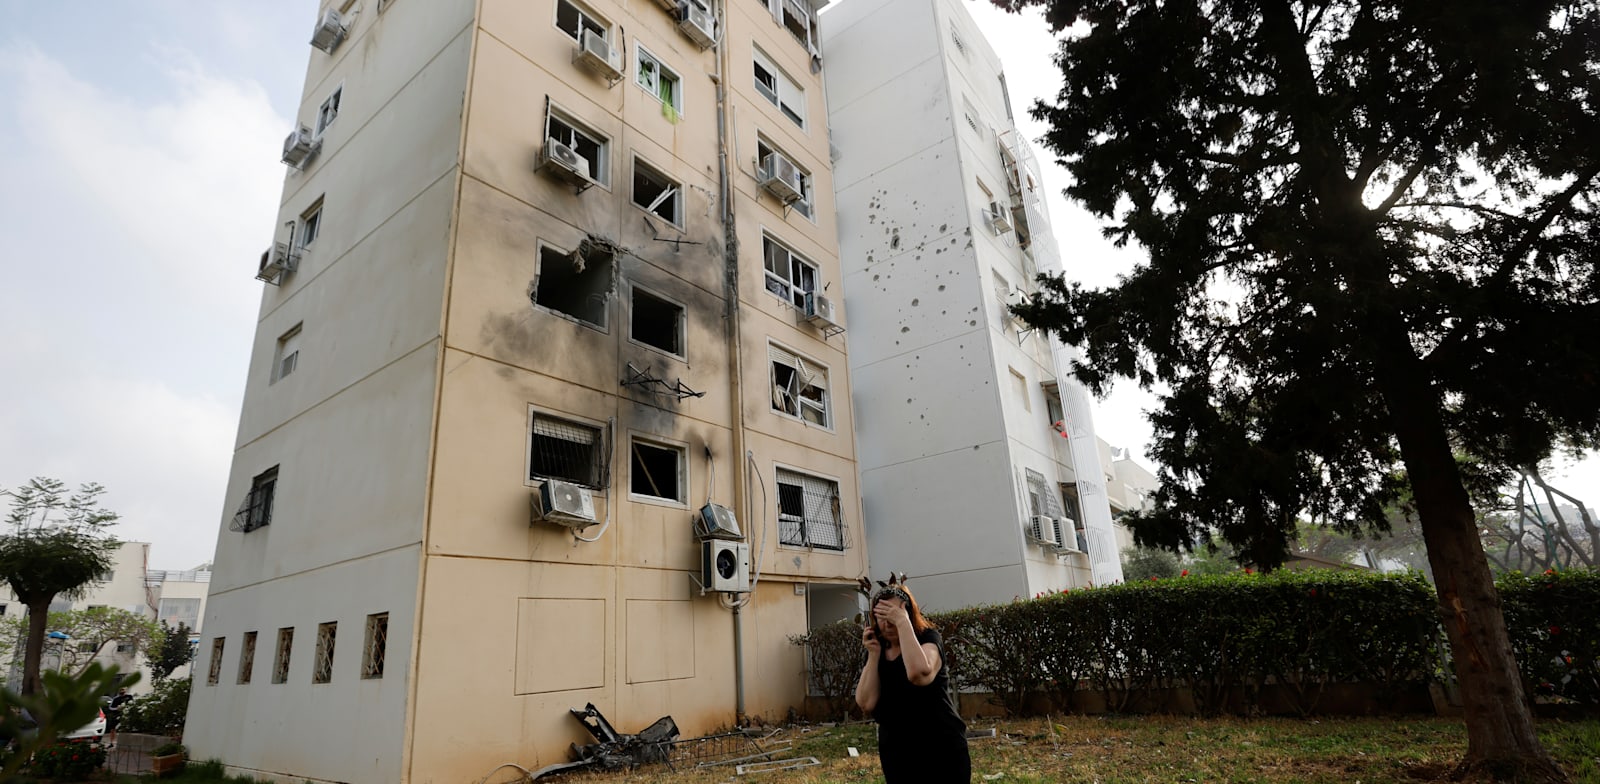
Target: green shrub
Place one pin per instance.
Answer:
(68, 761)
(161, 712)
(1554, 626)
(834, 657)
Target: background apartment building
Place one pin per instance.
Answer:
(980, 472)
(534, 253)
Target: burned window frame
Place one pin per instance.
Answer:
(820, 402)
(541, 282)
(599, 474)
(680, 453)
(680, 325)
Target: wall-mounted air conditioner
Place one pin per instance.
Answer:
(725, 566)
(697, 23)
(716, 521)
(1042, 528)
(820, 310)
(277, 261)
(564, 503)
(782, 178)
(300, 147)
(563, 163)
(996, 217)
(1067, 535)
(596, 53)
(330, 32)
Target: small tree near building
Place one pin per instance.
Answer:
(58, 544)
(173, 652)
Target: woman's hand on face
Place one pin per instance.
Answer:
(869, 639)
(892, 614)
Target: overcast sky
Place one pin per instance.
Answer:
(139, 145)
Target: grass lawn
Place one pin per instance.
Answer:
(1159, 749)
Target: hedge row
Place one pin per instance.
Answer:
(1224, 638)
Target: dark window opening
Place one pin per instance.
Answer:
(657, 322)
(257, 509)
(656, 471)
(657, 194)
(582, 143)
(576, 285)
(573, 20)
(567, 451)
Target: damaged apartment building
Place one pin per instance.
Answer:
(549, 401)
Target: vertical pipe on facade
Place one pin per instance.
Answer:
(730, 314)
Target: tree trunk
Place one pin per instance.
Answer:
(1501, 741)
(38, 622)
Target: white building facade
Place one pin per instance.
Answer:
(980, 475)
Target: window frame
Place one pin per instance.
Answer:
(310, 225)
(327, 639)
(600, 480)
(794, 390)
(653, 171)
(326, 117)
(214, 669)
(374, 652)
(247, 658)
(283, 652)
(679, 450)
(600, 164)
(794, 293)
(598, 23)
(806, 523)
(641, 56)
(604, 325)
(262, 498)
(806, 204)
(682, 326)
(281, 354)
(775, 95)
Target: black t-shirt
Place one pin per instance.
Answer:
(905, 709)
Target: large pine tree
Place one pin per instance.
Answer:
(1372, 239)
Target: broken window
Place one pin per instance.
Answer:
(799, 387)
(588, 144)
(566, 450)
(657, 471)
(573, 19)
(658, 80)
(657, 193)
(657, 322)
(576, 284)
(280, 661)
(329, 111)
(788, 275)
(256, 511)
(808, 511)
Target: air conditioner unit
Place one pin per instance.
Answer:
(716, 521)
(1042, 528)
(1016, 297)
(563, 163)
(300, 147)
(670, 5)
(725, 566)
(276, 261)
(697, 23)
(564, 503)
(995, 216)
(595, 53)
(330, 32)
(1066, 535)
(820, 310)
(782, 178)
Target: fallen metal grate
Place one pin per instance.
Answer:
(710, 750)
(782, 764)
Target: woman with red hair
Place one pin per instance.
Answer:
(921, 737)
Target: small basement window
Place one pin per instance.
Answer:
(657, 322)
(575, 284)
(656, 471)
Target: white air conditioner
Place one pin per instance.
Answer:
(595, 53)
(564, 503)
(820, 310)
(1042, 528)
(697, 23)
(716, 521)
(725, 566)
(330, 32)
(782, 178)
(1016, 297)
(301, 146)
(1067, 535)
(995, 216)
(276, 261)
(563, 163)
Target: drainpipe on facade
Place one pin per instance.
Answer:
(730, 315)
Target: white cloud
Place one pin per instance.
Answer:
(129, 304)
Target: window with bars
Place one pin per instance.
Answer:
(799, 387)
(215, 674)
(569, 451)
(809, 511)
(322, 668)
(256, 512)
(377, 641)
(280, 660)
(247, 657)
(1043, 502)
